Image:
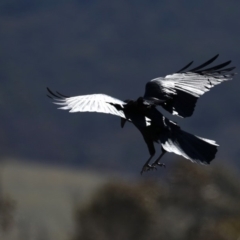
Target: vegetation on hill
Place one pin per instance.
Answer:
(192, 203)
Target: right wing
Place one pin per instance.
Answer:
(89, 103)
(179, 92)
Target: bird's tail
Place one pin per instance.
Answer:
(192, 147)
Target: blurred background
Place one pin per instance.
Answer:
(76, 176)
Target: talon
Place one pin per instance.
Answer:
(161, 165)
(147, 168)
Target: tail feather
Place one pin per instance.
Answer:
(192, 147)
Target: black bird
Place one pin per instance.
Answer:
(176, 93)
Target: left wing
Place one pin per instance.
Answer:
(88, 103)
(178, 92)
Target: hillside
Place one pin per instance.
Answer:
(45, 196)
(192, 201)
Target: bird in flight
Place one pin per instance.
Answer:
(177, 93)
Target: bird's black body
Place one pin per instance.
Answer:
(176, 93)
(167, 133)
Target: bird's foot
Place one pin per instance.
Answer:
(159, 164)
(148, 167)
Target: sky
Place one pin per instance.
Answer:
(84, 47)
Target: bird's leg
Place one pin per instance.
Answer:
(147, 166)
(157, 162)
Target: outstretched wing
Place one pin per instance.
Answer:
(88, 103)
(178, 92)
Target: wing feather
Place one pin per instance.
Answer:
(88, 103)
(180, 91)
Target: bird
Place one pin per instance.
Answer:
(177, 93)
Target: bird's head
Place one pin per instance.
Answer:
(140, 100)
(128, 100)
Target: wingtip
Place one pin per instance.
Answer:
(48, 89)
(57, 94)
(62, 95)
(204, 64)
(184, 68)
(49, 96)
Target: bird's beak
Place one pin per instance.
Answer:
(123, 121)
